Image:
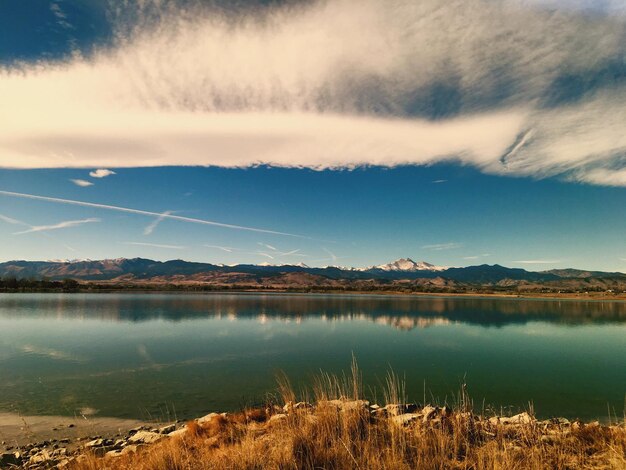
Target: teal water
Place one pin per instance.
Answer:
(160, 355)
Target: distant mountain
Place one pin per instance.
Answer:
(405, 265)
(402, 273)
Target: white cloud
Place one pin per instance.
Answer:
(471, 257)
(333, 84)
(81, 183)
(60, 225)
(101, 173)
(442, 246)
(156, 245)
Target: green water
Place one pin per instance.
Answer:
(160, 355)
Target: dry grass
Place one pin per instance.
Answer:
(340, 432)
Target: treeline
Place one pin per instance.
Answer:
(13, 284)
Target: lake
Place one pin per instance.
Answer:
(164, 355)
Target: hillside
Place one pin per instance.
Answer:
(403, 275)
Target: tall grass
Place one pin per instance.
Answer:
(340, 431)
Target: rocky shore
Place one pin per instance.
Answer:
(69, 444)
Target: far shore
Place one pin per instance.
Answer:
(207, 289)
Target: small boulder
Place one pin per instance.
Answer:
(95, 443)
(405, 419)
(10, 458)
(276, 419)
(301, 405)
(179, 432)
(518, 419)
(145, 437)
(167, 429)
(206, 418)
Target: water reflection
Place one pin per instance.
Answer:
(401, 312)
(128, 354)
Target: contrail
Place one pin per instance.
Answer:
(150, 228)
(147, 213)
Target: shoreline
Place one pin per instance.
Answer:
(36, 442)
(17, 430)
(598, 297)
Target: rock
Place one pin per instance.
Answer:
(429, 412)
(65, 440)
(102, 451)
(10, 458)
(62, 452)
(522, 418)
(276, 419)
(145, 437)
(95, 443)
(405, 419)
(395, 409)
(206, 418)
(119, 444)
(42, 457)
(179, 432)
(301, 405)
(560, 421)
(114, 453)
(71, 425)
(355, 405)
(167, 429)
(129, 449)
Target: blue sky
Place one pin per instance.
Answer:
(445, 214)
(459, 132)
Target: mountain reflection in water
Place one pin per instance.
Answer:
(402, 312)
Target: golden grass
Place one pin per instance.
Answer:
(340, 432)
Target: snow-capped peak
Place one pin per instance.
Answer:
(406, 265)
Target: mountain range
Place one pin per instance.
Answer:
(403, 273)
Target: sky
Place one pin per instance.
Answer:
(336, 132)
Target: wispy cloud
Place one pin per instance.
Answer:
(156, 245)
(442, 246)
(147, 213)
(278, 253)
(101, 173)
(227, 249)
(439, 181)
(269, 247)
(12, 221)
(474, 257)
(539, 261)
(333, 256)
(150, 228)
(60, 225)
(350, 83)
(81, 183)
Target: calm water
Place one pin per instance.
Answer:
(134, 355)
